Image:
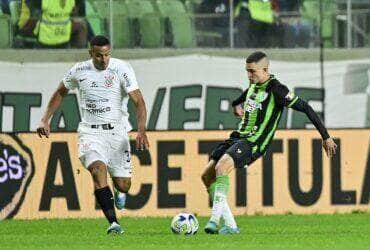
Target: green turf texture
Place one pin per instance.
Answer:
(349, 231)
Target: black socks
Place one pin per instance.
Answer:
(105, 199)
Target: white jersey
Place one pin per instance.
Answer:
(103, 93)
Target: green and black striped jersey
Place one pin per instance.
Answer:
(263, 106)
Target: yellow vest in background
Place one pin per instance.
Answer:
(24, 14)
(55, 26)
(261, 10)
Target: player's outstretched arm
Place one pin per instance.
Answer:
(328, 143)
(141, 138)
(54, 103)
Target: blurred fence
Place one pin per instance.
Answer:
(197, 23)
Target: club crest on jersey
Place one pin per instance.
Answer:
(109, 81)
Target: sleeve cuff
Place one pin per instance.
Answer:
(293, 101)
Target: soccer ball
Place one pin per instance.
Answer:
(184, 223)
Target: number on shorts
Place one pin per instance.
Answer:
(128, 156)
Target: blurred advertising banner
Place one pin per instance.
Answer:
(43, 178)
(190, 92)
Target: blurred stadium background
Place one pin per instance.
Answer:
(189, 56)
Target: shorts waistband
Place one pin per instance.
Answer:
(106, 126)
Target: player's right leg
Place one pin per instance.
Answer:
(104, 196)
(93, 156)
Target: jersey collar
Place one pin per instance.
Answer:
(263, 85)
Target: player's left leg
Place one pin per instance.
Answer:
(121, 187)
(120, 169)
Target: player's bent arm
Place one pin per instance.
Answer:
(54, 102)
(240, 99)
(303, 106)
(141, 138)
(138, 100)
(236, 104)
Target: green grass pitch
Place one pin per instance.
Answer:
(346, 231)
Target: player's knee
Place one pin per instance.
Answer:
(205, 179)
(223, 165)
(97, 169)
(220, 169)
(124, 186)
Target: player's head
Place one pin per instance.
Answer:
(257, 67)
(100, 52)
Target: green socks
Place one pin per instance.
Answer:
(220, 190)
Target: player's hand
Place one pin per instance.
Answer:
(238, 111)
(43, 129)
(142, 142)
(330, 147)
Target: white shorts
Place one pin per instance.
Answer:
(112, 147)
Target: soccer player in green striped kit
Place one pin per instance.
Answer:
(263, 103)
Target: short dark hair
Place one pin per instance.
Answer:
(99, 41)
(255, 57)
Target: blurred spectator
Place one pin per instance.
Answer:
(292, 30)
(54, 22)
(254, 21)
(5, 6)
(219, 23)
(288, 5)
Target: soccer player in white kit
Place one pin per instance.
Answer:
(104, 85)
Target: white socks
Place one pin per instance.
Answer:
(228, 216)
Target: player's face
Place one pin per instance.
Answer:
(256, 72)
(100, 56)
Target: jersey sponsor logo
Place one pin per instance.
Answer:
(99, 110)
(83, 68)
(16, 172)
(101, 100)
(252, 105)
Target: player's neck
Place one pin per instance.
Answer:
(264, 80)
